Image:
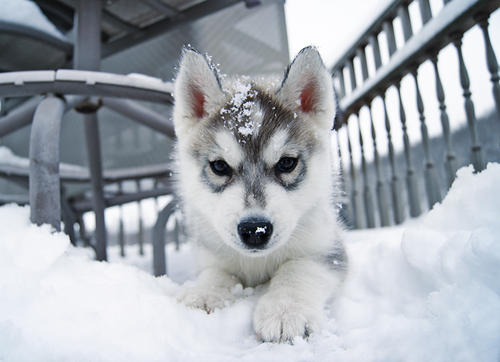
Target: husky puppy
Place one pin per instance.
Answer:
(255, 179)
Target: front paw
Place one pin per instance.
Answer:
(207, 299)
(282, 318)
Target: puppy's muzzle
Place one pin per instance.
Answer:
(255, 233)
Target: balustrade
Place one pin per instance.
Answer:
(372, 80)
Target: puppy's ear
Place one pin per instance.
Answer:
(308, 88)
(197, 89)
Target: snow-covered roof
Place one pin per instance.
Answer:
(27, 13)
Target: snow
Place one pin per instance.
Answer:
(427, 290)
(7, 157)
(27, 13)
(241, 107)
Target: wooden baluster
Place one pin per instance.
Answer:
(352, 75)
(391, 39)
(373, 40)
(476, 155)
(451, 164)
(411, 177)
(404, 15)
(345, 209)
(431, 180)
(491, 61)
(367, 193)
(397, 201)
(360, 53)
(339, 73)
(383, 208)
(425, 11)
(357, 206)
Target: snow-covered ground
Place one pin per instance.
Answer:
(428, 290)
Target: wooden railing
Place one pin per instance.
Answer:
(358, 86)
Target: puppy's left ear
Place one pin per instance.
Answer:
(308, 88)
(197, 92)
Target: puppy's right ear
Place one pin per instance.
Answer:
(197, 90)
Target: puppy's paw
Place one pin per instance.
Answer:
(207, 299)
(278, 319)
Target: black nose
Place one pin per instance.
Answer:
(255, 233)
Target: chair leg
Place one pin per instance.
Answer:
(44, 190)
(159, 257)
(97, 184)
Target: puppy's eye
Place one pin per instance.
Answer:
(220, 168)
(286, 164)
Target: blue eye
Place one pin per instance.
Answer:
(221, 168)
(286, 164)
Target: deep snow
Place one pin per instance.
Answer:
(428, 290)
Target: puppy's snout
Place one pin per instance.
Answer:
(255, 233)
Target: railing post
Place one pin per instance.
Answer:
(340, 75)
(411, 177)
(381, 192)
(404, 15)
(425, 11)
(357, 205)
(352, 74)
(391, 39)
(477, 157)
(373, 40)
(346, 209)
(397, 201)
(360, 52)
(451, 164)
(491, 61)
(431, 180)
(44, 183)
(367, 193)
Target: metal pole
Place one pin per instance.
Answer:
(97, 183)
(23, 115)
(159, 257)
(121, 232)
(87, 53)
(140, 234)
(87, 56)
(141, 114)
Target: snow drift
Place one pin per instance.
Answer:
(428, 290)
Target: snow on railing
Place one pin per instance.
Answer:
(363, 77)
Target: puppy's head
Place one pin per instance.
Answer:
(254, 155)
